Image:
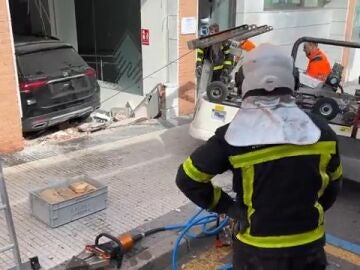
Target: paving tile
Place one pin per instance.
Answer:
(139, 172)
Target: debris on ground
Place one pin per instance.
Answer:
(91, 127)
(98, 120)
(148, 109)
(119, 114)
(211, 259)
(63, 135)
(101, 116)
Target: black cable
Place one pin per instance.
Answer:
(147, 76)
(140, 236)
(153, 231)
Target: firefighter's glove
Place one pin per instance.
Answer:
(239, 214)
(225, 72)
(225, 76)
(198, 71)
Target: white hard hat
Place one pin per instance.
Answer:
(267, 67)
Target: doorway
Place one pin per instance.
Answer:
(221, 12)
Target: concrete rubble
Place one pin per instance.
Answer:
(148, 108)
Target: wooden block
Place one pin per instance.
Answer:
(82, 187)
(51, 196)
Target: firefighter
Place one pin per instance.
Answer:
(318, 66)
(219, 54)
(286, 171)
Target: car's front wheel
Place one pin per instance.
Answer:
(326, 107)
(217, 91)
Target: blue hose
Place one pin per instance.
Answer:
(195, 220)
(226, 267)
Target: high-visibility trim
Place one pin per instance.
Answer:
(200, 51)
(283, 241)
(199, 59)
(227, 62)
(216, 197)
(194, 173)
(278, 152)
(324, 162)
(227, 51)
(321, 213)
(218, 67)
(248, 175)
(337, 174)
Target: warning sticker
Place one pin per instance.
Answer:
(218, 115)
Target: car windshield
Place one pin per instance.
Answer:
(50, 62)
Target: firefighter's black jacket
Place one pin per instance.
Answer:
(219, 56)
(285, 188)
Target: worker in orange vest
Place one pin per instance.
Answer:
(247, 45)
(318, 66)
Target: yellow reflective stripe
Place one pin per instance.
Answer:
(199, 59)
(227, 63)
(321, 213)
(194, 173)
(248, 188)
(337, 174)
(324, 162)
(227, 51)
(218, 67)
(278, 152)
(281, 241)
(200, 51)
(216, 197)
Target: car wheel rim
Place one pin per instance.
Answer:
(216, 92)
(326, 109)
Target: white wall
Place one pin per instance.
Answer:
(172, 78)
(289, 25)
(160, 17)
(338, 21)
(63, 21)
(171, 40)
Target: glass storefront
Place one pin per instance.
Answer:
(108, 33)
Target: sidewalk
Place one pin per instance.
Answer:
(139, 172)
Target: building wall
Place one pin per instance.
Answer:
(351, 57)
(289, 25)
(160, 18)
(153, 18)
(187, 8)
(10, 125)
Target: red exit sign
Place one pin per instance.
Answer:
(145, 37)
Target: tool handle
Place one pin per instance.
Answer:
(109, 236)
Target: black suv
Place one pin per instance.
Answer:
(55, 83)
